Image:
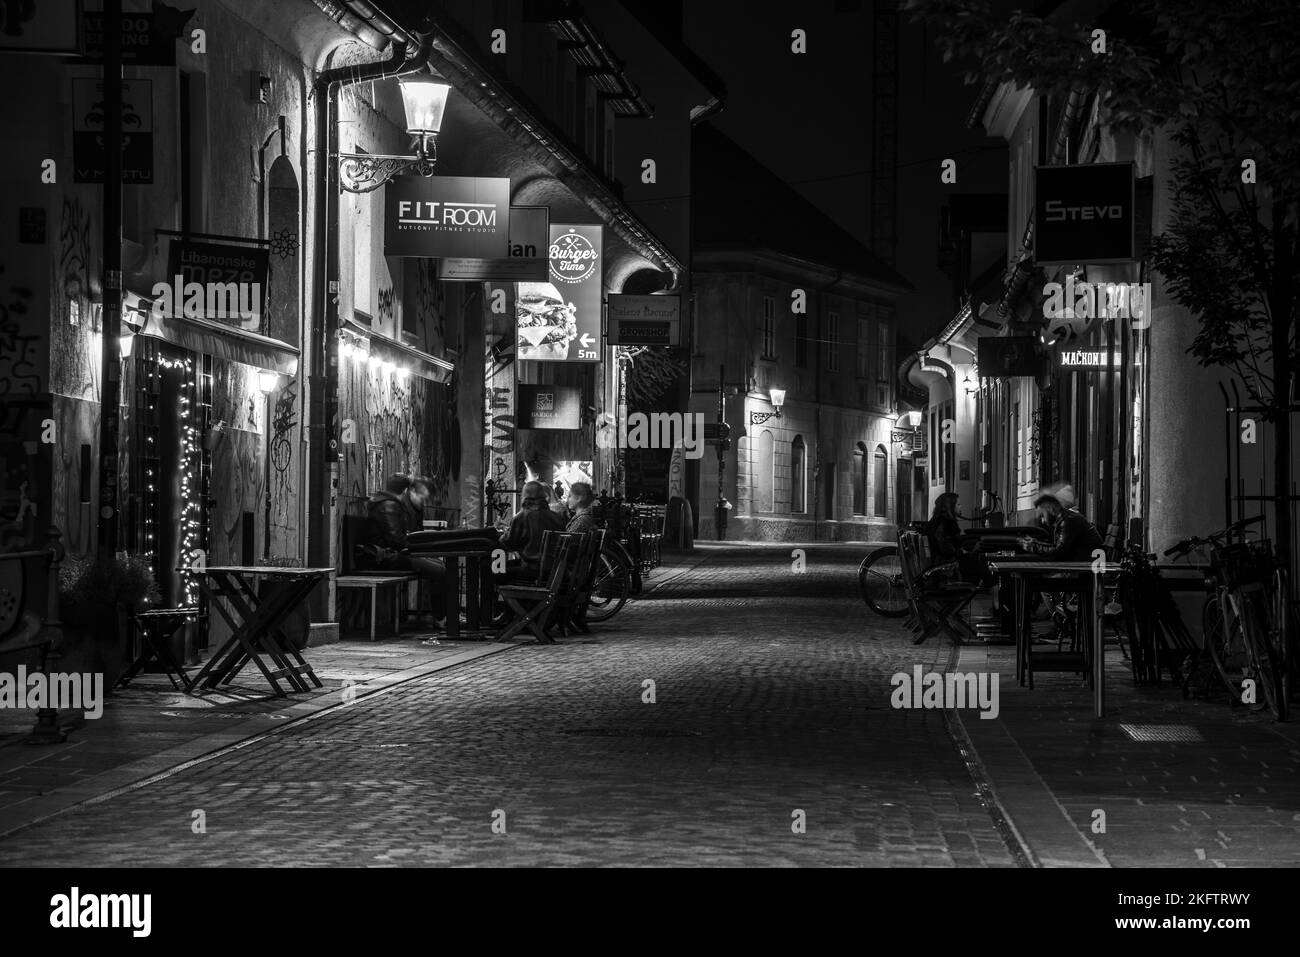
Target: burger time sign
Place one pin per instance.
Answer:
(446, 216)
(573, 258)
(559, 321)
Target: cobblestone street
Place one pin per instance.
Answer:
(771, 697)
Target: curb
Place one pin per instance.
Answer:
(145, 771)
(1060, 842)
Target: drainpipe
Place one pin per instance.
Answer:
(324, 375)
(817, 376)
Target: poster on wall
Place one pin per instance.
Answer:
(374, 469)
(549, 407)
(559, 320)
(459, 216)
(89, 158)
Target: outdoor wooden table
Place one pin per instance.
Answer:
(472, 569)
(1059, 576)
(255, 621)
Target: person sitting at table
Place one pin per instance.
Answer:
(948, 555)
(524, 536)
(581, 502)
(393, 514)
(1072, 537)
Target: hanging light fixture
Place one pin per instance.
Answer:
(424, 101)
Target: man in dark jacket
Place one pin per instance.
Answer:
(394, 513)
(1074, 538)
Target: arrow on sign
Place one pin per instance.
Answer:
(586, 339)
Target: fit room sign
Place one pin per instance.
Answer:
(459, 216)
(1084, 214)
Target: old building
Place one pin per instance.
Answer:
(789, 309)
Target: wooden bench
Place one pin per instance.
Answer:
(356, 532)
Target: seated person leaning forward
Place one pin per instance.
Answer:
(1072, 539)
(393, 514)
(524, 536)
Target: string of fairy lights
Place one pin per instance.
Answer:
(191, 508)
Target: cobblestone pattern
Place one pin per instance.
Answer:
(767, 706)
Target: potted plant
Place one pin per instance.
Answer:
(96, 596)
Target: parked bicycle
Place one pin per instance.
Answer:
(1246, 619)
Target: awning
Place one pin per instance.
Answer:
(223, 342)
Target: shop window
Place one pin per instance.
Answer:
(860, 480)
(769, 327)
(880, 466)
(833, 341)
(798, 468)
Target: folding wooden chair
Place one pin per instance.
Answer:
(936, 603)
(532, 605)
(572, 602)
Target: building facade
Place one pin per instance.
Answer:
(249, 436)
(786, 301)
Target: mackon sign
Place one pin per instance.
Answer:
(1084, 214)
(459, 216)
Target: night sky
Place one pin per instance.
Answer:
(808, 118)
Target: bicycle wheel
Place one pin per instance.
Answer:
(609, 592)
(880, 578)
(1265, 669)
(1279, 631)
(1225, 653)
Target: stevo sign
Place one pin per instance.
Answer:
(1084, 214)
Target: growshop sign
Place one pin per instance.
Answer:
(458, 216)
(1084, 214)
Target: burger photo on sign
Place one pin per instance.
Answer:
(547, 324)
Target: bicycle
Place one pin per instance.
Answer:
(1246, 618)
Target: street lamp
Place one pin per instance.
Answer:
(424, 100)
(267, 381)
(778, 400)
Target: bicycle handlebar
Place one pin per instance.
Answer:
(1187, 544)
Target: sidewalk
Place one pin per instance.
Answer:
(1228, 797)
(148, 728)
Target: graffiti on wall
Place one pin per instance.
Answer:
(74, 369)
(404, 418)
(284, 420)
(384, 303)
(18, 343)
(430, 301)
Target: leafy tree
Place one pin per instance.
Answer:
(1223, 82)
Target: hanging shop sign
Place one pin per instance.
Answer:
(1083, 359)
(1008, 357)
(219, 281)
(458, 216)
(147, 38)
(549, 407)
(525, 252)
(644, 320)
(1084, 214)
(47, 27)
(559, 320)
(89, 159)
